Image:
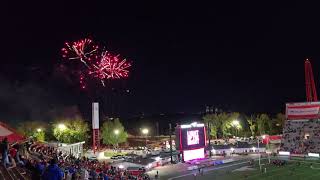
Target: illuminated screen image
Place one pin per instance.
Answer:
(193, 137)
(193, 154)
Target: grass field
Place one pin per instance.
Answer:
(290, 171)
(113, 153)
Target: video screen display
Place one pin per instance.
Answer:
(193, 154)
(193, 137)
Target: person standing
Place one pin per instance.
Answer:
(53, 172)
(93, 174)
(4, 149)
(84, 174)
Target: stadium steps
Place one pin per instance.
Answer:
(5, 173)
(15, 173)
(24, 172)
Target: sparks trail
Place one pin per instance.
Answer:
(111, 67)
(83, 50)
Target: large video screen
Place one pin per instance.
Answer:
(191, 138)
(193, 154)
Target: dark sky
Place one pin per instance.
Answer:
(246, 57)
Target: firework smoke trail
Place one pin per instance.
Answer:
(84, 50)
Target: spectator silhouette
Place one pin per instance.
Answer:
(53, 172)
(4, 151)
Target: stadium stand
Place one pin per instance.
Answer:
(301, 136)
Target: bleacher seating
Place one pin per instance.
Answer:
(15, 173)
(301, 136)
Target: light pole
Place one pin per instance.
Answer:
(259, 152)
(116, 132)
(232, 150)
(209, 135)
(236, 125)
(170, 139)
(267, 145)
(62, 127)
(145, 131)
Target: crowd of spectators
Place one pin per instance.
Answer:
(45, 162)
(278, 162)
(301, 137)
(12, 155)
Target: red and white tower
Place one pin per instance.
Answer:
(310, 85)
(95, 127)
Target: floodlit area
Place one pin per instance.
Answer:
(296, 170)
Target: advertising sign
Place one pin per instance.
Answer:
(300, 111)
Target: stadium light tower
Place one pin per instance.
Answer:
(236, 124)
(145, 131)
(116, 131)
(62, 127)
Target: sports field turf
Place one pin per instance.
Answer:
(290, 171)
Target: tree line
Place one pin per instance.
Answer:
(112, 132)
(224, 124)
(72, 130)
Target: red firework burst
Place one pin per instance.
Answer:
(111, 67)
(83, 50)
(97, 67)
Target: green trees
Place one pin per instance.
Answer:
(34, 129)
(71, 130)
(39, 135)
(231, 124)
(221, 124)
(278, 123)
(113, 132)
(263, 124)
(215, 124)
(252, 125)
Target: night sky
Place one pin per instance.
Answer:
(245, 57)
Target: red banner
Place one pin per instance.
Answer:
(300, 111)
(267, 139)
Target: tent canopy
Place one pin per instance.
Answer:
(11, 134)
